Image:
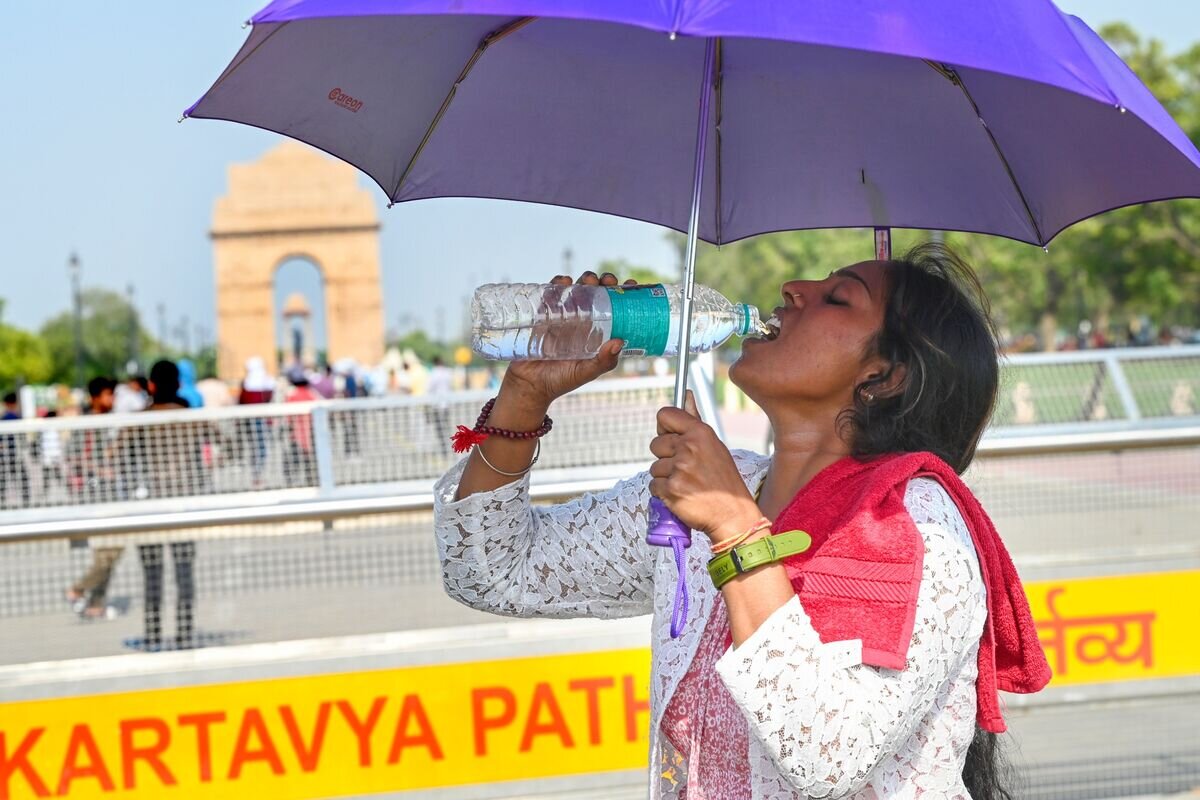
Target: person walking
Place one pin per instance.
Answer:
(852, 612)
(93, 467)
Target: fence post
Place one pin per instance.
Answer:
(1121, 384)
(323, 449)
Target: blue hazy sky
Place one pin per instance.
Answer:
(93, 160)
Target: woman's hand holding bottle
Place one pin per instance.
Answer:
(528, 389)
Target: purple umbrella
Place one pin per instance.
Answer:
(1004, 117)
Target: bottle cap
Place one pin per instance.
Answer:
(750, 319)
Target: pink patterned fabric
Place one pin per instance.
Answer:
(706, 726)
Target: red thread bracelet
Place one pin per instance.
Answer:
(465, 438)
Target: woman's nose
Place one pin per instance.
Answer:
(794, 292)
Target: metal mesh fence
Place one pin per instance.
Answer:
(118, 458)
(1165, 387)
(1096, 385)
(385, 441)
(1081, 507)
(134, 458)
(302, 579)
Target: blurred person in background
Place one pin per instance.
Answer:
(439, 387)
(93, 473)
(400, 381)
(352, 388)
(13, 471)
(215, 393)
(187, 384)
(50, 454)
(300, 466)
(172, 453)
(131, 396)
(257, 387)
(325, 385)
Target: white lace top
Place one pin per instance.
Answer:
(822, 724)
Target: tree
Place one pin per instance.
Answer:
(423, 347)
(24, 357)
(108, 320)
(1139, 260)
(752, 270)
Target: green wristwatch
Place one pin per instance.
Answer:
(745, 557)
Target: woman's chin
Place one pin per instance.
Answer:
(738, 370)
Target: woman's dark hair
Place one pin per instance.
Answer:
(936, 395)
(939, 389)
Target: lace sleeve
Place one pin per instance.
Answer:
(585, 558)
(821, 720)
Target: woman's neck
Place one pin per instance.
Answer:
(802, 449)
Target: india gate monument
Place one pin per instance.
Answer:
(295, 202)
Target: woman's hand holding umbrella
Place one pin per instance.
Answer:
(696, 477)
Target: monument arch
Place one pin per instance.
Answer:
(295, 202)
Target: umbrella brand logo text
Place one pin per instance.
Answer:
(344, 100)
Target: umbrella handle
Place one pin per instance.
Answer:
(665, 530)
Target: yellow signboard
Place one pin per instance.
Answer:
(479, 722)
(335, 735)
(1121, 628)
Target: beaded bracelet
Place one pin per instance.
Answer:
(465, 438)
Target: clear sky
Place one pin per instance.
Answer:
(91, 159)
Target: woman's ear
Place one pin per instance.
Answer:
(893, 375)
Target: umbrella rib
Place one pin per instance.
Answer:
(950, 74)
(484, 43)
(232, 68)
(719, 78)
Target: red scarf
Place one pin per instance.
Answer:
(861, 577)
(859, 580)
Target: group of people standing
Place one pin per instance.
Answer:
(168, 389)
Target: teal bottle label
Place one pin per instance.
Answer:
(641, 318)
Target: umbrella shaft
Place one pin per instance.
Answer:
(689, 261)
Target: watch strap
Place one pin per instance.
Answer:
(745, 557)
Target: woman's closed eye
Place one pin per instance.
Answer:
(834, 301)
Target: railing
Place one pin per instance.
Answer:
(117, 465)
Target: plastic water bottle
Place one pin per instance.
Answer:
(512, 321)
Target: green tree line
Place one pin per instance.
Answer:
(109, 325)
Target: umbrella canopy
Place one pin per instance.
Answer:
(998, 116)
(995, 116)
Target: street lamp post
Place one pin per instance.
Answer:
(73, 269)
(135, 328)
(162, 330)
